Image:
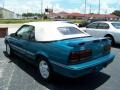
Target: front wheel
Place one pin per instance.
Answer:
(45, 70)
(8, 50)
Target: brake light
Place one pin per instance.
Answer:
(81, 55)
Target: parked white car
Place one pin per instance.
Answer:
(104, 29)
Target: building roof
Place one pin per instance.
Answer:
(75, 14)
(85, 15)
(63, 13)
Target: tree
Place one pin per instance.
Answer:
(35, 15)
(30, 14)
(116, 12)
(24, 15)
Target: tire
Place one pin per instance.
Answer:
(45, 70)
(112, 40)
(8, 50)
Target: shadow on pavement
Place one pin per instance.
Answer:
(117, 46)
(88, 82)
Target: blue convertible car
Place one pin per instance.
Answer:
(59, 47)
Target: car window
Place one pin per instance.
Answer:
(92, 25)
(26, 32)
(69, 30)
(32, 35)
(116, 25)
(103, 26)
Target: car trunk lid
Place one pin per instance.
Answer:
(96, 45)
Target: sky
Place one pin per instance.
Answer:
(24, 6)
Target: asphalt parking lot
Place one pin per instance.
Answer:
(16, 74)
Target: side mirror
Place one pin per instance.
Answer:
(13, 34)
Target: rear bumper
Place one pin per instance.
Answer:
(75, 71)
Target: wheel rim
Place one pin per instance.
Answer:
(44, 69)
(8, 49)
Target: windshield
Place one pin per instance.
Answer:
(116, 25)
(69, 30)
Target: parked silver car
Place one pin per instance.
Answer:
(104, 29)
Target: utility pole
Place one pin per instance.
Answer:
(41, 9)
(105, 14)
(90, 8)
(52, 7)
(41, 6)
(3, 3)
(99, 6)
(85, 9)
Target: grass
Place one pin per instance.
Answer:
(18, 21)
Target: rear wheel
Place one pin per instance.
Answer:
(112, 40)
(45, 70)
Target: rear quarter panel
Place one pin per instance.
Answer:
(53, 51)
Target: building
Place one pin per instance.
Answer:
(52, 15)
(6, 14)
(60, 15)
(102, 16)
(75, 16)
(65, 15)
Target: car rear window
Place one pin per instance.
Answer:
(116, 25)
(69, 30)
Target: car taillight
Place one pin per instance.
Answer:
(107, 48)
(81, 55)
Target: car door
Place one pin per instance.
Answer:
(17, 41)
(29, 43)
(91, 29)
(102, 29)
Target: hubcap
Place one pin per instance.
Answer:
(8, 49)
(44, 69)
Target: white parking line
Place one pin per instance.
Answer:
(10, 79)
